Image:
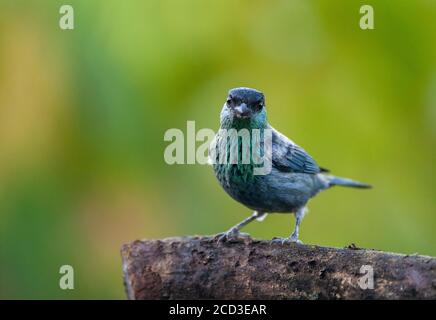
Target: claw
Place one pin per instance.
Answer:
(225, 236)
(277, 240)
(286, 240)
(232, 234)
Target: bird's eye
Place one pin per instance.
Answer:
(259, 105)
(229, 100)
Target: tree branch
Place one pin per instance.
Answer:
(245, 268)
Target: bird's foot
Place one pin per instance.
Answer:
(286, 240)
(232, 234)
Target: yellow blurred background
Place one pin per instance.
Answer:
(83, 113)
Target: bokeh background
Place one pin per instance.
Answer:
(83, 114)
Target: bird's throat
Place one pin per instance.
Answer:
(242, 123)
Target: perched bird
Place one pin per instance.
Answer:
(294, 177)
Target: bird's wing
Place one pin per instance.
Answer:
(289, 157)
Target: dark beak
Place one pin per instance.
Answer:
(242, 111)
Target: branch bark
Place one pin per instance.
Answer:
(245, 268)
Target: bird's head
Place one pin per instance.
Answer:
(244, 107)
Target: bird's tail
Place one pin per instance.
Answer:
(337, 181)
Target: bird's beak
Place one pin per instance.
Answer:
(242, 111)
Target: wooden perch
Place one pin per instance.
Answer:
(201, 268)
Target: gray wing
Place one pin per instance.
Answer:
(289, 157)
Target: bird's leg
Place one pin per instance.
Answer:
(234, 231)
(294, 236)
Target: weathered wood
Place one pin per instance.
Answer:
(201, 268)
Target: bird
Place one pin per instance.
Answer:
(294, 176)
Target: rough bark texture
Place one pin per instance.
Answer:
(201, 268)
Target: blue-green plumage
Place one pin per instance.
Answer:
(294, 177)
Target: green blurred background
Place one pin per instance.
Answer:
(83, 114)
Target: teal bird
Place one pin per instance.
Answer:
(294, 177)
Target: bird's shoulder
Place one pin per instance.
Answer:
(287, 156)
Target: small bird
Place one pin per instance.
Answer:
(294, 177)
